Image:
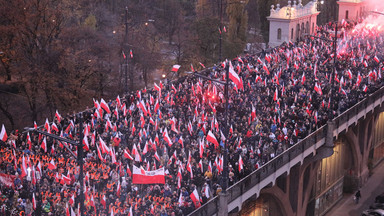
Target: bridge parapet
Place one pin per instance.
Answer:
(252, 184)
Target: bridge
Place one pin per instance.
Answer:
(296, 180)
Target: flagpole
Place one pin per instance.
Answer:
(80, 161)
(221, 28)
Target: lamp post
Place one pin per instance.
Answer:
(221, 26)
(126, 46)
(80, 155)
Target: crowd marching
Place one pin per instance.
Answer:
(275, 100)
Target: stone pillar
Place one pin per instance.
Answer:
(223, 203)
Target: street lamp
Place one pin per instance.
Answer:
(80, 155)
(126, 45)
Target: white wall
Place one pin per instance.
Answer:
(286, 26)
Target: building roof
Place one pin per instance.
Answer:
(293, 11)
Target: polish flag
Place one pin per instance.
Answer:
(33, 201)
(103, 201)
(129, 171)
(365, 89)
(85, 144)
(46, 126)
(23, 168)
(67, 213)
(233, 76)
(72, 199)
(44, 144)
(376, 59)
(275, 96)
(253, 113)
(143, 108)
(265, 68)
(127, 155)
(201, 148)
(349, 74)
(175, 68)
(65, 179)
(359, 79)
(195, 197)
(303, 79)
(181, 141)
(105, 106)
(157, 88)
(211, 138)
(58, 116)
(52, 165)
(166, 138)
(99, 154)
(3, 134)
(157, 157)
(118, 189)
(202, 65)
(241, 163)
(148, 177)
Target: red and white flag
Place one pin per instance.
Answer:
(58, 116)
(44, 144)
(105, 106)
(195, 197)
(276, 95)
(103, 201)
(52, 165)
(234, 77)
(127, 155)
(241, 163)
(24, 171)
(148, 177)
(376, 59)
(175, 68)
(33, 201)
(3, 134)
(211, 138)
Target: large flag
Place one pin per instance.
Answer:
(148, 177)
(104, 105)
(234, 77)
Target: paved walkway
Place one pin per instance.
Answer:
(372, 188)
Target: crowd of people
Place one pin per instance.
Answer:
(283, 96)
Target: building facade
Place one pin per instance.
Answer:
(291, 22)
(351, 9)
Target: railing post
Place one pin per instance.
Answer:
(223, 203)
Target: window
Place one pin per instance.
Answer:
(313, 28)
(307, 28)
(297, 31)
(346, 14)
(292, 34)
(279, 34)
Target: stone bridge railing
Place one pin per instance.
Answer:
(267, 174)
